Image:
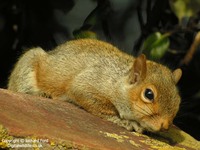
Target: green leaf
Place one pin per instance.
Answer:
(79, 34)
(159, 49)
(150, 40)
(156, 45)
(184, 8)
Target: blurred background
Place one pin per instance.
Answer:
(166, 31)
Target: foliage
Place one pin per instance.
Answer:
(155, 46)
(184, 8)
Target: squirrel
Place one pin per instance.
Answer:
(133, 92)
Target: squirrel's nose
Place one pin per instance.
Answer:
(164, 125)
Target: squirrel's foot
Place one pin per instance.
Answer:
(131, 125)
(128, 124)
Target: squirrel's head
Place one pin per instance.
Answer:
(153, 96)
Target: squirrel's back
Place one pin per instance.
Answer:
(50, 72)
(90, 52)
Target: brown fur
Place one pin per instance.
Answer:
(103, 80)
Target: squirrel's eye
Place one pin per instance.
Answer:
(149, 94)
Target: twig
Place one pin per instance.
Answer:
(188, 57)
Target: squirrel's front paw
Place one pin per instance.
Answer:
(133, 125)
(129, 125)
(137, 127)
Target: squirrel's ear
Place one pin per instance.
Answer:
(177, 75)
(138, 70)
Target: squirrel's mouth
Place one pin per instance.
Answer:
(155, 125)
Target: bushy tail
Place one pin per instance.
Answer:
(23, 76)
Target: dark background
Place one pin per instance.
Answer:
(126, 24)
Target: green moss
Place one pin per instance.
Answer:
(182, 138)
(159, 145)
(4, 137)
